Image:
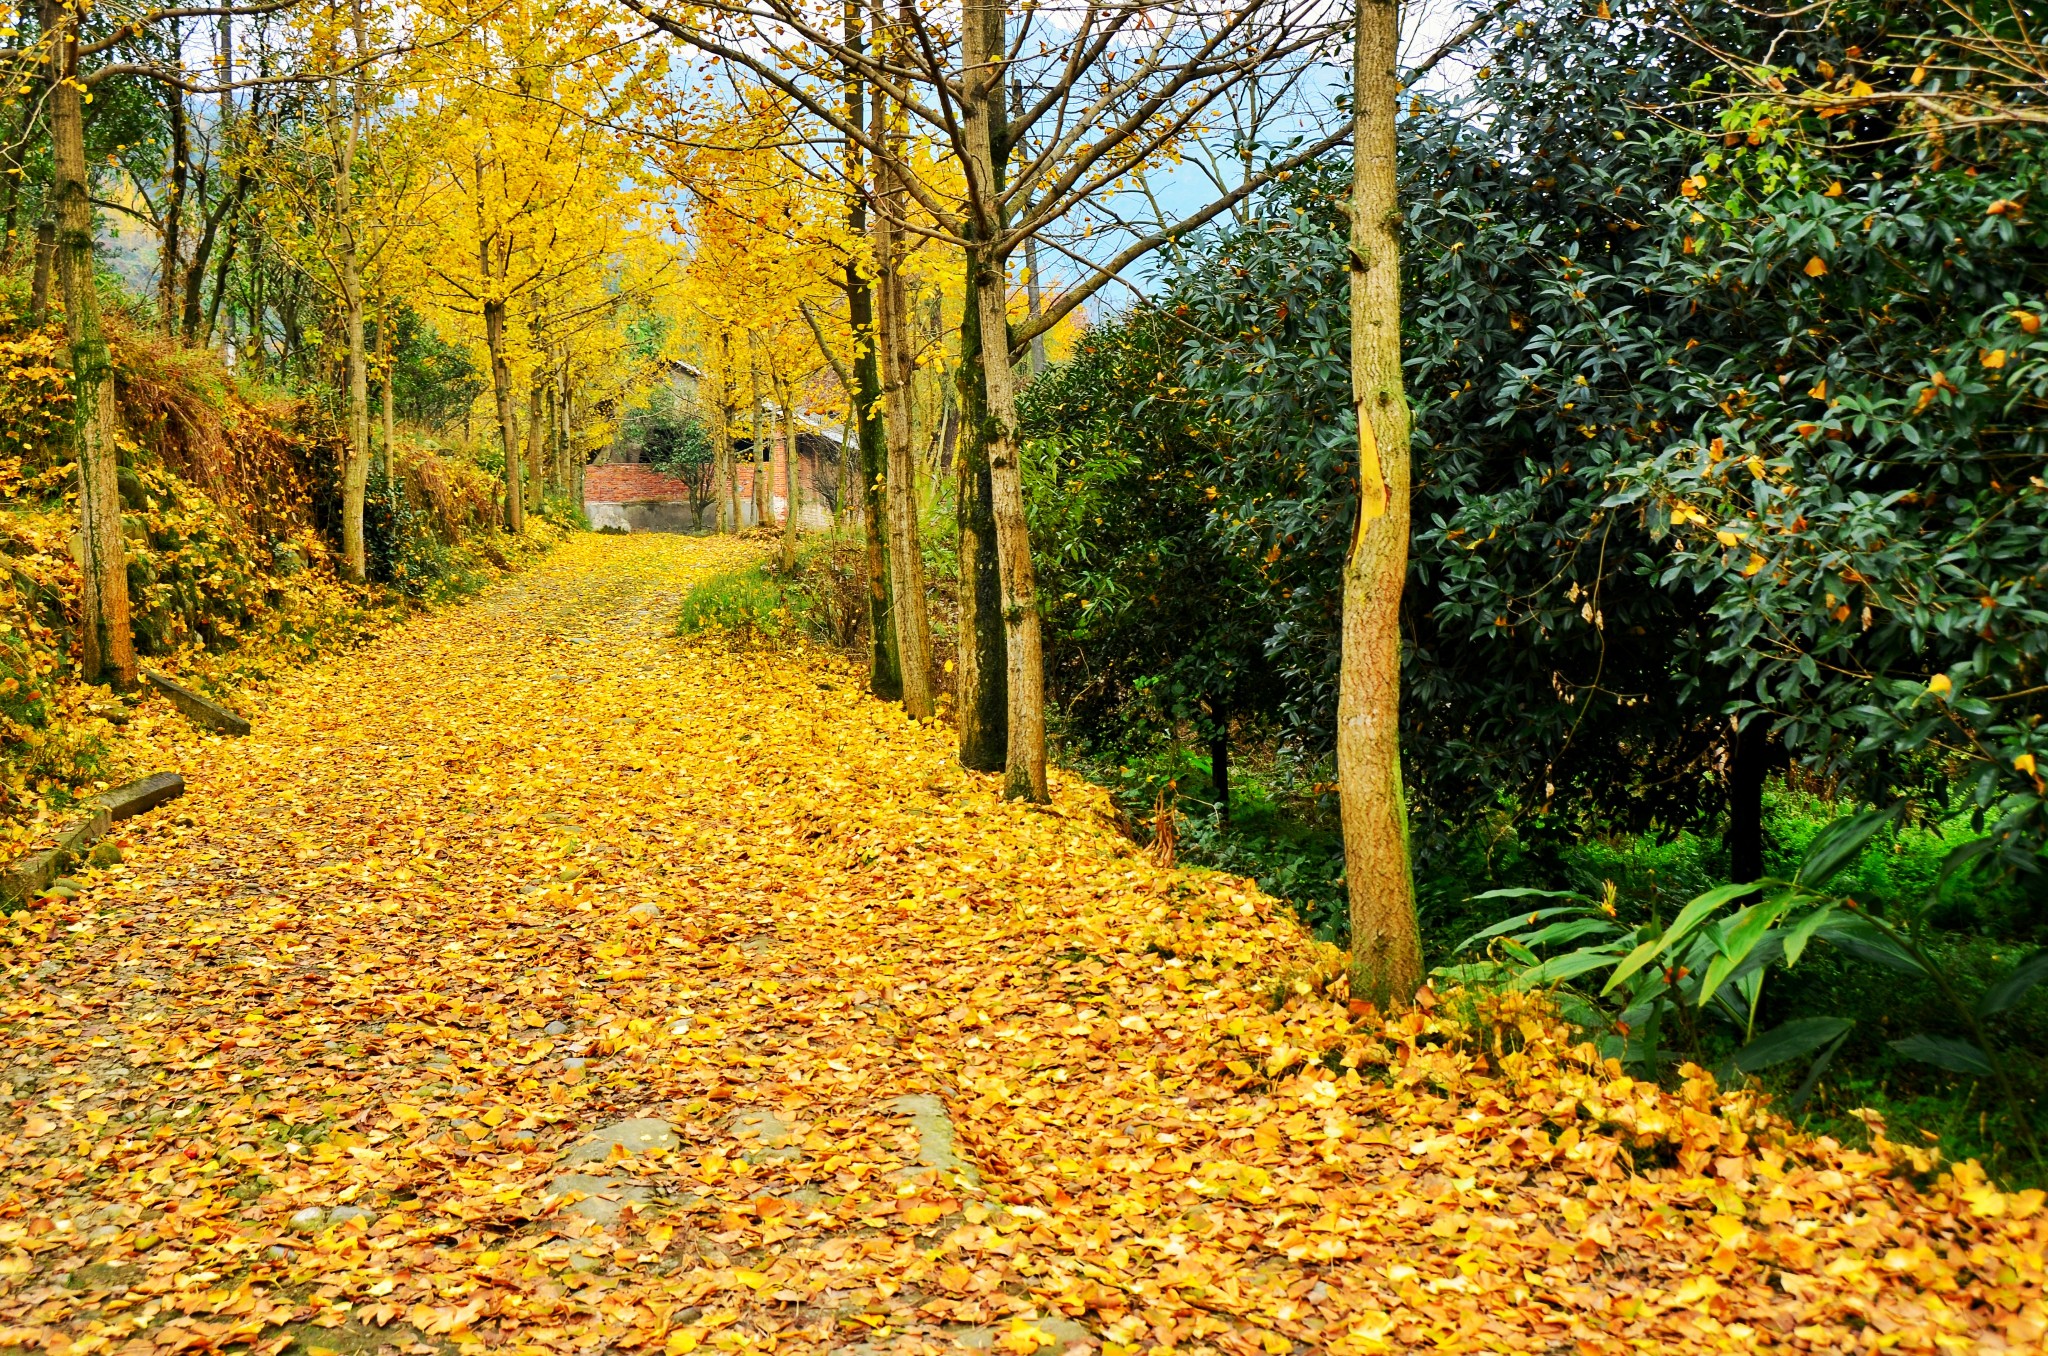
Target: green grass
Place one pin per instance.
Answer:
(749, 601)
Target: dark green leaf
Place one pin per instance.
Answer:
(1790, 1041)
(1862, 939)
(1943, 1052)
(2009, 990)
(1835, 846)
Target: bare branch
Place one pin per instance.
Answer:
(1070, 298)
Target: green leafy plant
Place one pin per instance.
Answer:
(1669, 989)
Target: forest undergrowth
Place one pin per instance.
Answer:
(504, 988)
(227, 492)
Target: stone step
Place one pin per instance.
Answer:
(197, 709)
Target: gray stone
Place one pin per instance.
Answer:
(28, 876)
(277, 1252)
(638, 1136)
(309, 1219)
(574, 1062)
(1064, 1331)
(557, 1028)
(936, 1141)
(770, 1137)
(603, 1199)
(342, 1214)
(646, 908)
(133, 798)
(197, 709)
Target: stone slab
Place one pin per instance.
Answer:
(1064, 1332)
(604, 1199)
(936, 1141)
(197, 709)
(637, 1136)
(125, 802)
(30, 875)
(769, 1138)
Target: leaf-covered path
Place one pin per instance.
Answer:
(337, 1056)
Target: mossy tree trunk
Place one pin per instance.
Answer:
(1386, 949)
(982, 86)
(980, 690)
(981, 685)
(106, 641)
(885, 673)
(892, 331)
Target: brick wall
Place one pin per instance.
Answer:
(626, 484)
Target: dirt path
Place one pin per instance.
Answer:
(537, 980)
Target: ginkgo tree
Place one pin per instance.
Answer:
(537, 201)
(767, 250)
(340, 193)
(1100, 93)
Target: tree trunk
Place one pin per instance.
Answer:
(728, 484)
(1386, 950)
(790, 470)
(844, 509)
(558, 398)
(171, 263)
(46, 258)
(1749, 763)
(197, 324)
(885, 674)
(981, 691)
(906, 558)
(534, 433)
(107, 645)
(1024, 775)
(764, 490)
(356, 470)
(1034, 292)
(390, 365)
(1034, 297)
(17, 132)
(221, 267)
(1219, 757)
(572, 450)
(355, 477)
(508, 438)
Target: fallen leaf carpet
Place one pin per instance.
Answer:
(534, 980)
